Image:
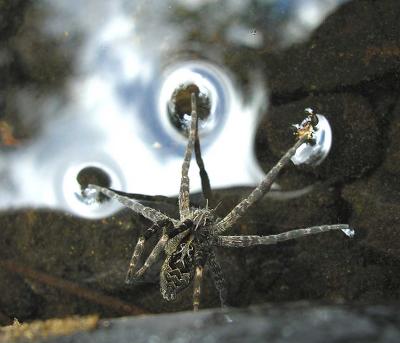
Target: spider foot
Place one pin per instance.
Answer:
(131, 279)
(134, 276)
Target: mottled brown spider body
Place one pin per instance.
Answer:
(177, 271)
(189, 243)
(184, 251)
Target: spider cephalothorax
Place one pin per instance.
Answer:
(189, 243)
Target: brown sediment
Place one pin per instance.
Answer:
(45, 329)
(6, 134)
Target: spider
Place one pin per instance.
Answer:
(189, 243)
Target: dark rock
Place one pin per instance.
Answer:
(376, 212)
(357, 43)
(392, 160)
(11, 15)
(20, 302)
(375, 201)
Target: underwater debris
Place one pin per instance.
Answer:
(48, 328)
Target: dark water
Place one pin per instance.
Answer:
(81, 86)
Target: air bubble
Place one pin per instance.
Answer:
(213, 88)
(82, 201)
(314, 154)
(179, 106)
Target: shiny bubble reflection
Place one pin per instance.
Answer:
(314, 154)
(129, 58)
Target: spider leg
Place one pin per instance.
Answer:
(198, 277)
(138, 251)
(240, 209)
(205, 181)
(151, 199)
(169, 231)
(155, 253)
(248, 241)
(147, 212)
(200, 258)
(218, 278)
(184, 202)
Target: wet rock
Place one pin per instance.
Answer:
(375, 201)
(20, 302)
(359, 42)
(289, 323)
(376, 211)
(52, 252)
(375, 208)
(392, 139)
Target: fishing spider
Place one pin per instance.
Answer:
(189, 242)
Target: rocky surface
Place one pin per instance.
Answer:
(298, 322)
(359, 43)
(349, 70)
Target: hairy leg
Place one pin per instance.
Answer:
(155, 253)
(147, 212)
(248, 241)
(240, 209)
(305, 134)
(218, 278)
(200, 259)
(205, 181)
(198, 278)
(184, 202)
(138, 251)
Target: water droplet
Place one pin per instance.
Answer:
(349, 232)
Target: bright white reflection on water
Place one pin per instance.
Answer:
(114, 116)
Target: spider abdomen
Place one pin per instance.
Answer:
(178, 270)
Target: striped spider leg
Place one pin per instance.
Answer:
(305, 135)
(189, 243)
(177, 238)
